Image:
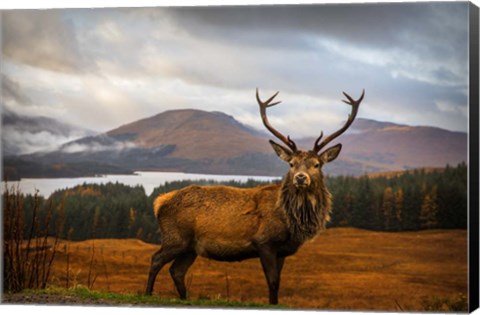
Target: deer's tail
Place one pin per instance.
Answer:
(160, 201)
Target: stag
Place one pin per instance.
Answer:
(268, 222)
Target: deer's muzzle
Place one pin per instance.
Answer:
(301, 180)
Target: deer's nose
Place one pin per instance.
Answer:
(301, 178)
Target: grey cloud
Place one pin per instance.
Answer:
(435, 34)
(381, 25)
(12, 92)
(274, 47)
(49, 37)
(41, 38)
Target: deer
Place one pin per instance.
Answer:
(269, 222)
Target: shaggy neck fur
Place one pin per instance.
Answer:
(308, 210)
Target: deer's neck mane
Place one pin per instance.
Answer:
(308, 211)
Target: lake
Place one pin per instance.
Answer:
(149, 180)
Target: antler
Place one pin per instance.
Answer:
(355, 104)
(263, 113)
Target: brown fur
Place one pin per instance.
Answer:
(307, 212)
(159, 201)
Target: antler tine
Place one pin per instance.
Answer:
(351, 101)
(267, 102)
(263, 113)
(351, 117)
(316, 147)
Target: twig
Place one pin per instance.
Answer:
(90, 268)
(67, 250)
(398, 305)
(106, 272)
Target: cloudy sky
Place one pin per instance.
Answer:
(101, 68)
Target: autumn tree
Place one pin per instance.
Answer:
(429, 210)
(399, 198)
(388, 208)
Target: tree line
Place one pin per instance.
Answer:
(413, 200)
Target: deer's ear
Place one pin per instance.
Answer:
(282, 152)
(331, 153)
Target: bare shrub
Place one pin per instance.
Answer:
(28, 250)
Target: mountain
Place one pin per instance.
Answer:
(396, 147)
(196, 141)
(195, 134)
(184, 140)
(384, 146)
(28, 134)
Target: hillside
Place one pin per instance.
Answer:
(195, 141)
(385, 146)
(405, 147)
(196, 135)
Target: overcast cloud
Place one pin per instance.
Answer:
(101, 68)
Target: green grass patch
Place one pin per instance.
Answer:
(140, 299)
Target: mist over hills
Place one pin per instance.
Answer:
(28, 134)
(197, 141)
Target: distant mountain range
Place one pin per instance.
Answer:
(212, 142)
(384, 146)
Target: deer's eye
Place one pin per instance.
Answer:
(316, 165)
(291, 164)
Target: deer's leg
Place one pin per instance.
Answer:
(270, 266)
(163, 256)
(179, 269)
(280, 261)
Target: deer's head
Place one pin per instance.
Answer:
(306, 166)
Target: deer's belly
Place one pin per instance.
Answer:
(223, 250)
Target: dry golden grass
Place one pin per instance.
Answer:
(342, 269)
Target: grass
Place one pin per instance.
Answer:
(458, 303)
(140, 299)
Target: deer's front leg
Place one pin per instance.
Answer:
(270, 265)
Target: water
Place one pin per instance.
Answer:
(149, 180)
